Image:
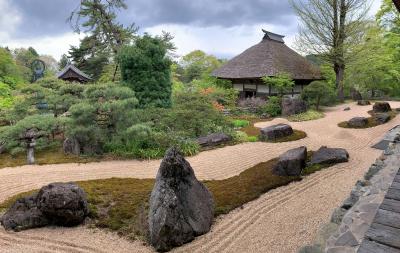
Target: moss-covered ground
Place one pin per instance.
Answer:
(121, 205)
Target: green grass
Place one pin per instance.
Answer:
(240, 123)
(43, 157)
(121, 205)
(306, 116)
(371, 121)
(252, 139)
(297, 135)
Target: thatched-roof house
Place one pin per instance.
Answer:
(268, 58)
(73, 74)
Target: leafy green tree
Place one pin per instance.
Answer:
(24, 58)
(146, 69)
(281, 81)
(315, 92)
(331, 28)
(9, 72)
(375, 69)
(197, 65)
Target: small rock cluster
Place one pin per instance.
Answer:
(62, 204)
(293, 162)
(181, 207)
(272, 133)
(351, 220)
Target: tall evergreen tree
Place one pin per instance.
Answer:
(146, 69)
(98, 17)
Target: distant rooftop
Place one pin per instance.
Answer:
(273, 36)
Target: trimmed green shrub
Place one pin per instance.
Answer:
(272, 107)
(239, 123)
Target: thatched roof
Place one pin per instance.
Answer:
(269, 57)
(72, 72)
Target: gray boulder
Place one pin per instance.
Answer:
(381, 107)
(355, 95)
(363, 102)
(326, 155)
(71, 146)
(181, 207)
(213, 140)
(382, 118)
(24, 214)
(55, 204)
(276, 132)
(358, 122)
(292, 106)
(64, 204)
(291, 163)
(347, 109)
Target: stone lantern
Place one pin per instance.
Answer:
(29, 137)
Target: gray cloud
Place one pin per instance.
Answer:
(48, 17)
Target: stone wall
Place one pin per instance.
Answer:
(349, 222)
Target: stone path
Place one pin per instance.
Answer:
(282, 220)
(384, 234)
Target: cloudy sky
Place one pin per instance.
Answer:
(221, 27)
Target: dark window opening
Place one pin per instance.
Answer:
(249, 94)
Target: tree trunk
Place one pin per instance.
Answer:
(339, 71)
(115, 72)
(318, 102)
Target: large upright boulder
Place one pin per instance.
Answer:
(326, 155)
(275, 132)
(355, 95)
(381, 107)
(293, 105)
(181, 207)
(62, 204)
(291, 163)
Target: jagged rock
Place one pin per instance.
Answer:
(363, 102)
(326, 155)
(213, 139)
(23, 215)
(291, 106)
(55, 204)
(358, 122)
(382, 118)
(381, 107)
(276, 132)
(64, 204)
(291, 163)
(71, 146)
(181, 207)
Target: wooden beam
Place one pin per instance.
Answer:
(397, 4)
